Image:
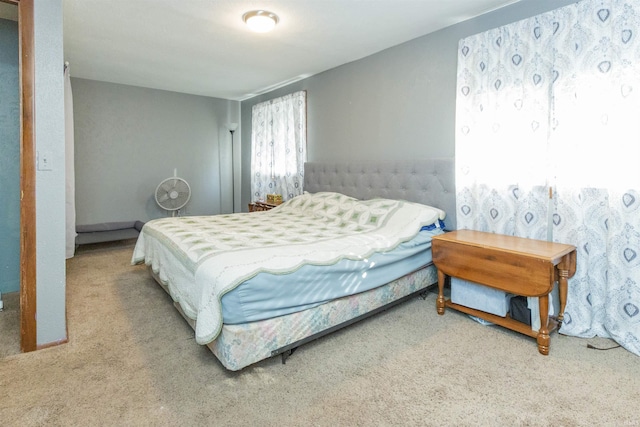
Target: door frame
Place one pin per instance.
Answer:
(28, 321)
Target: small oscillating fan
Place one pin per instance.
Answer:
(172, 194)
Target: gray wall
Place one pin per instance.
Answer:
(128, 139)
(9, 157)
(50, 185)
(395, 105)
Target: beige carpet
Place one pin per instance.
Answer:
(131, 360)
(10, 325)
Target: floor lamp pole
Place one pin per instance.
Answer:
(233, 177)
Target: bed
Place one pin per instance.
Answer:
(256, 285)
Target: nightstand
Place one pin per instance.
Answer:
(512, 264)
(260, 206)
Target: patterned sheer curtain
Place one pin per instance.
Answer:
(553, 102)
(279, 146)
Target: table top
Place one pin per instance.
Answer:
(517, 245)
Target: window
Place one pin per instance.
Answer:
(279, 146)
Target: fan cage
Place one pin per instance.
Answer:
(172, 194)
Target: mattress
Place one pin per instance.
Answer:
(268, 295)
(201, 259)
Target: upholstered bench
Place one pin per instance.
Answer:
(107, 232)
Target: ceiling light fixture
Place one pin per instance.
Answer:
(260, 21)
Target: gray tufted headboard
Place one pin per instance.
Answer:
(428, 181)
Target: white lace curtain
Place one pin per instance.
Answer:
(279, 146)
(553, 103)
(70, 183)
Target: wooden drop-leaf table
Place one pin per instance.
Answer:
(512, 264)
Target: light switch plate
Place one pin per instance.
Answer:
(44, 160)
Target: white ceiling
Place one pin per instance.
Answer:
(202, 46)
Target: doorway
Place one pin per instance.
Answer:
(10, 178)
(27, 178)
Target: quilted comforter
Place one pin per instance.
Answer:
(201, 258)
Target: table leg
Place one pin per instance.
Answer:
(543, 334)
(562, 293)
(440, 299)
(566, 269)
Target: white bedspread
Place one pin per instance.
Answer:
(202, 258)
